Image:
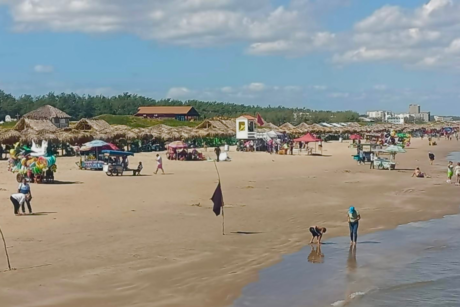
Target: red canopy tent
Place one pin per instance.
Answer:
(355, 137)
(307, 138)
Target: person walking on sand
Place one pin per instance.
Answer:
(353, 223)
(431, 157)
(24, 188)
(159, 164)
(372, 158)
(18, 200)
(317, 232)
(217, 151)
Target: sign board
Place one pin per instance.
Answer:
(92, 164)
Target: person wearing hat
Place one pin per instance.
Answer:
(353, 222)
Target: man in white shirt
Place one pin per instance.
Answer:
(18, 200)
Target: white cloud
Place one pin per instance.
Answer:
(178, 93)
(380, 87)
(194, 23)
(227, 89)
(320, 87)
(44, 69)
(423, 37)
(339, 95)
(256, 87)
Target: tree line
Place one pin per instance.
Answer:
(87, 106)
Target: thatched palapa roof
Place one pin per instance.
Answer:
(35, 124)
(92, 124)
(46, 112)
(9, 136)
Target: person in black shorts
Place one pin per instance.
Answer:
(317, 232)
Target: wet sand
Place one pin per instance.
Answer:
(154, 241)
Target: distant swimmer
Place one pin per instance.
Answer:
(317, 232)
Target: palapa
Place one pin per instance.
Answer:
(9, 136)
(35, 124)
(47, 112)
(92, 124)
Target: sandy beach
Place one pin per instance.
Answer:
(154, 240)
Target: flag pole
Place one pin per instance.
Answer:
(6, 250)
(222, 206)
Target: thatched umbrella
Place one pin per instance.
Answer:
(28, 135)
(287, 126)
(9, 137)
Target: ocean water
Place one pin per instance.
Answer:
(417, 264)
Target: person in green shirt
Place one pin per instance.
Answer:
(353, 223)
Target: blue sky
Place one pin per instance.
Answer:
(321, 54)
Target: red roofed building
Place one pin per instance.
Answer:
(182, 113)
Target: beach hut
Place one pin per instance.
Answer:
(34, 124)
(55, 116)
(92, 124)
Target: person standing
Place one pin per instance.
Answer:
(353, 223)
(24, 188)
(291, 148)
(217, 151)
(372, 158)
(17, 200)
(159, 164)
(457, 173)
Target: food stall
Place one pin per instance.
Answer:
(115, 162)
(91, 157)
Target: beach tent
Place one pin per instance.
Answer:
(177, 145)
(393, 149)
(307, 138)
(274, 134)
(355, 137)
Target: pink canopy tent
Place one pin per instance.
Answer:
(307, 138)
(177, 145)
(355, 137)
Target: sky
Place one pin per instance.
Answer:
(321, 54)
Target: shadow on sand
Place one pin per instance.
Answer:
(66, 182)
(246, 232)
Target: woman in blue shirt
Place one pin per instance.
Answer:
(24, 188)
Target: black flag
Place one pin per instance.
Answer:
(218, 200)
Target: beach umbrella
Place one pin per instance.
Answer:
(395, 149)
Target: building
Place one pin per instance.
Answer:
(396, 120)
(182, 113)
(425, 116)
(414, 109)
(379, 115)
(245, 127)
(57, 117)
(443, 118)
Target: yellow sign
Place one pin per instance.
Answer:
(242, 126)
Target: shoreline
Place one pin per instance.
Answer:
(168, 250)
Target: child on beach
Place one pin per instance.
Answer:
(431, 156)
(159, 164)
(450, 171)
(317, 232)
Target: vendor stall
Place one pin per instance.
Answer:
(34, 164)
(91, 155)
(116, 162)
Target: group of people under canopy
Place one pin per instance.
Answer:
(179, 151)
